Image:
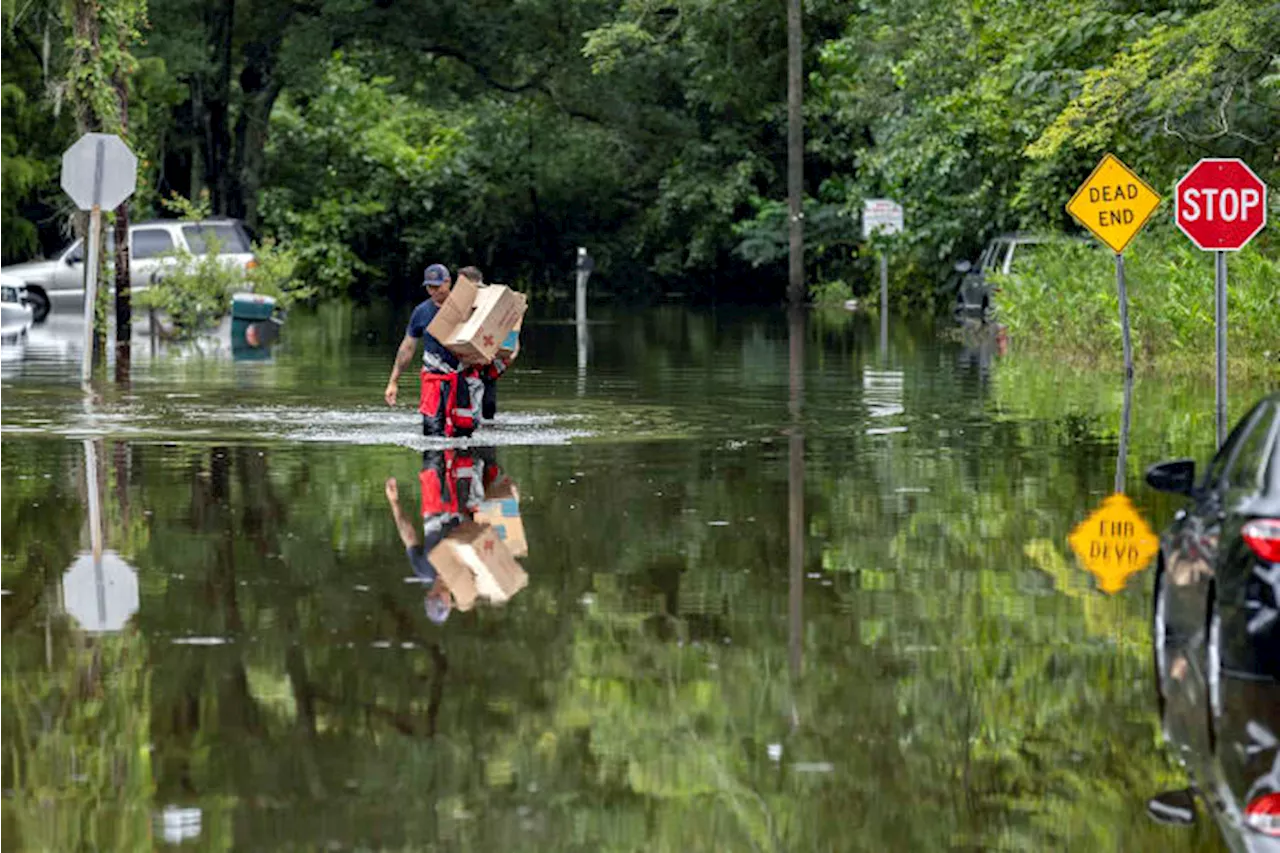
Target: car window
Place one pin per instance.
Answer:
(1247, 468)
(75, 255)
(151, 242)
(229, 238)
(996, 258)
(1217, 468)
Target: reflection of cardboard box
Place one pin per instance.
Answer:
(474, 563)
(455, 311)
(501, 508)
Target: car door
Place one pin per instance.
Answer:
(1192, 560)
(150, 249)
(66, 285)
(1244, 491)
(1191, 554)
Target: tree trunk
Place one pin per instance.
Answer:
(124, 294)
(212, 98)
(260, 89)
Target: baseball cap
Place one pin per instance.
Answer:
(435, 275)
(438, 609)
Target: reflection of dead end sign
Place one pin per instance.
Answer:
(1114, 542)
(101, 598)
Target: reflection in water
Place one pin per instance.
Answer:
(470, 535)
(933, 656)
(795, 500)
(1122, 453)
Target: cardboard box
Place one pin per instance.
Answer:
(501, 508)
(455, 311)
(475, 559)
(497, 310)
(510, 346)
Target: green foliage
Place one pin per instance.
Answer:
(1063, 299)
(830, 293)
(356, 167)
(193, 291)
(187, 209)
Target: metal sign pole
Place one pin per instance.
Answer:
(91, 279)
(90, 291)
(1220, 335)
(884, 305)
(1124, 316)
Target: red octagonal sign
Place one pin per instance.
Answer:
(1220, 204)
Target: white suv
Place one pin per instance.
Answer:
(59, 283)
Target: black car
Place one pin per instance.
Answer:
(1216, 633)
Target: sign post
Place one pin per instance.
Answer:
(98, 171)
(1220, 204)
(1114, 542)
(1114, 204)
(882, 216)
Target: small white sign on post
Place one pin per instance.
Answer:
(882, 216)
(98, 171)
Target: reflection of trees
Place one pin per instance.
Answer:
(964, 685)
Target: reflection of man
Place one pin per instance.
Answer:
(451, 492)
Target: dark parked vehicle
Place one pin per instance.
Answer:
(1216, 632)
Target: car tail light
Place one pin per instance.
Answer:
(1263, 536)
(251, 263)
(1263, 815)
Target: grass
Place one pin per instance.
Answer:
(1061, 301)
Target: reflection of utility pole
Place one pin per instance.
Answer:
(585, 266)
(795, 506)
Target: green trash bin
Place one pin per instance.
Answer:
(254, 326)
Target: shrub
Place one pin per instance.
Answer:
(1063, 299)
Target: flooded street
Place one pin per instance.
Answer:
(784, 592)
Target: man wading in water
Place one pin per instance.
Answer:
(439, 380)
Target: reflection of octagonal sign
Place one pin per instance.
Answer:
(103, 597)
(99, 169)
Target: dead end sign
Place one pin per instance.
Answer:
(1114, 542)
(1113, 203)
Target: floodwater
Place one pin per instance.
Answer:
(786, 590)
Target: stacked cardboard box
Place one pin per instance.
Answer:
(475, 323)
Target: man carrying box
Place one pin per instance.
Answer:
(439, 376)
(482, 379)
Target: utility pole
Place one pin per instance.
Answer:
(795, 153)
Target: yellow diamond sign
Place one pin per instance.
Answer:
(1114, 203)
(1114, 542)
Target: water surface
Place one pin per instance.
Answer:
(828, 608)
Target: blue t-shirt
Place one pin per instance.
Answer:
(434, 355)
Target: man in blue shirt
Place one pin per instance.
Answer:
(439, 376)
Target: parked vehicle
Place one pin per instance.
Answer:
(15, 313)
(59, 283)
(974, 294)
(1216, 632)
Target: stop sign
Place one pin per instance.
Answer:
(1220, 204)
